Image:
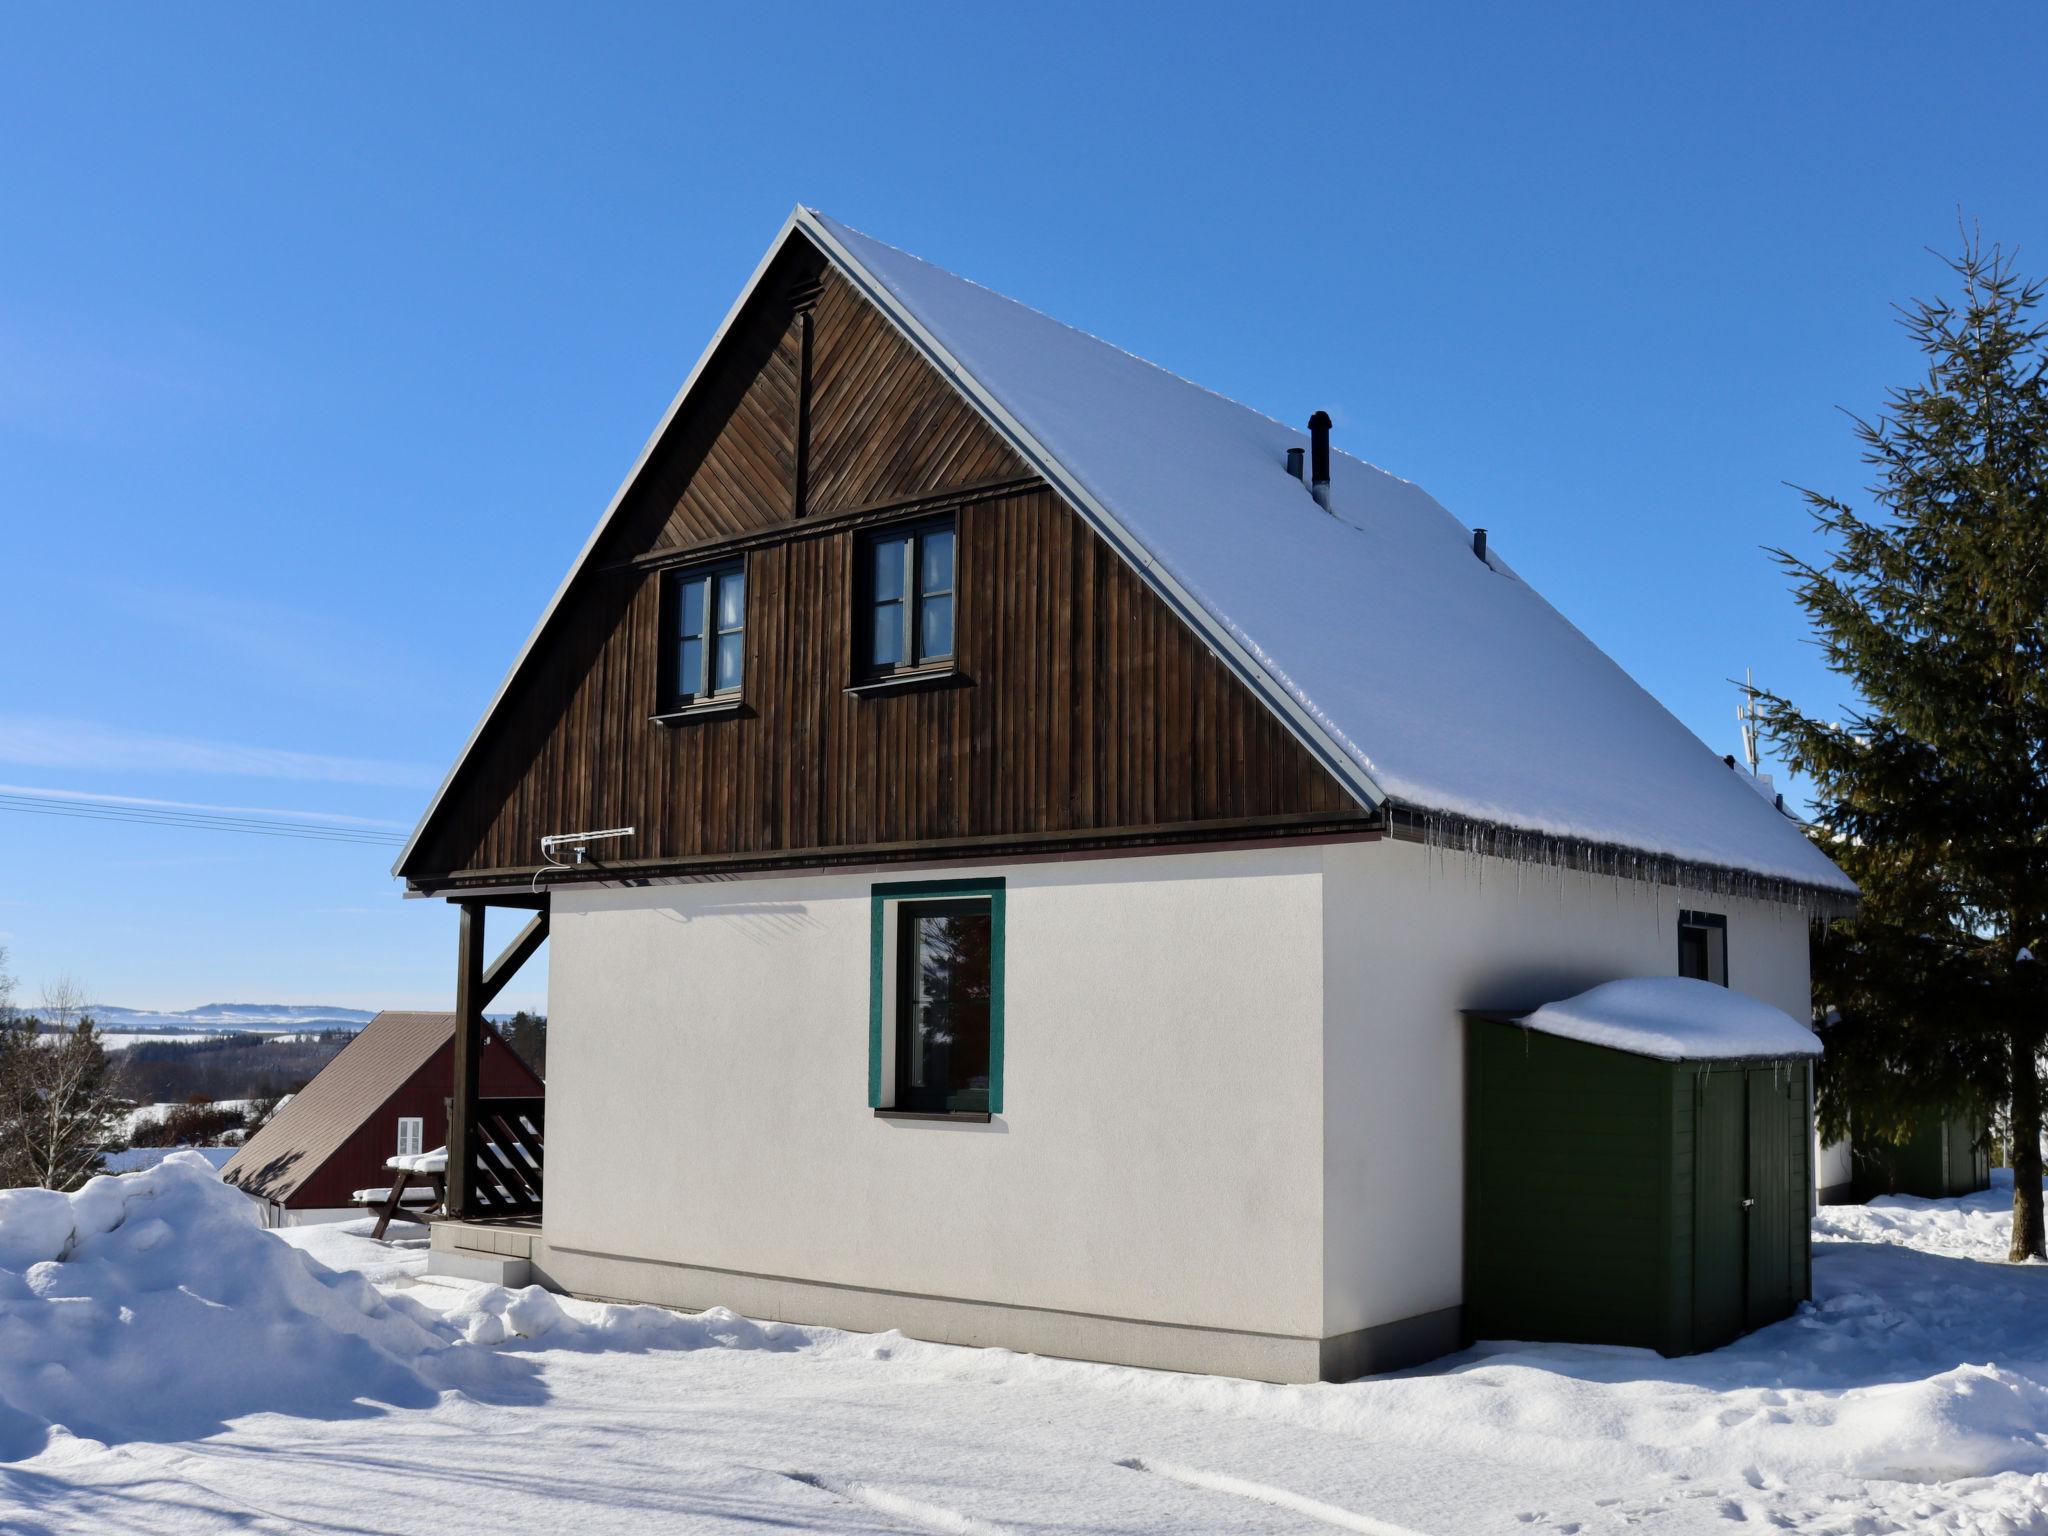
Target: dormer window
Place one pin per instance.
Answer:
(704, 630)
(904, 622)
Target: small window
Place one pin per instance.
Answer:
(411, 1136)
(704, 625)
(1703, 946)
(935, 1043)
(905, 623)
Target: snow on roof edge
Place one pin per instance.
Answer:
(1674, 1018)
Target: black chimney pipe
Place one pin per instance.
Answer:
(1319, 458)
(1479, 542)
(1294, 462)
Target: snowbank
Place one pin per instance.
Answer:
(1675, 1018)
(140, 1159)
(152, 1305)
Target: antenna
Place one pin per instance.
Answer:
(1745, 712)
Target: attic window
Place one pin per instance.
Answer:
(704, 636)
(1703, 946)
(904, 623)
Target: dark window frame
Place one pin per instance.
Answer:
(915, 665)
(706, 697)
(1715, 925)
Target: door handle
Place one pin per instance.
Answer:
(1747, 1204)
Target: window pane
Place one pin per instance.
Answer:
(690, 667)
(730, 660)
(732, 600)
(935, 637)
(936, 574)
(946, 1064)
(690, 608)
(889, 555)
(887, 639)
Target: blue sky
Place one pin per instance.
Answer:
(325, 334)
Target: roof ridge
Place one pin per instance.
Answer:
(1104, 341)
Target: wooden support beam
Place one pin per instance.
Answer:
(469, 1050)
(516, 954)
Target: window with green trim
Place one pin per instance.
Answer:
(936, 1015)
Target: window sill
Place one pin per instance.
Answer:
(909, 682)
(958, 1116)
(716, 709)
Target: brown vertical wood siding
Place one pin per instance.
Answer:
(1083, 704)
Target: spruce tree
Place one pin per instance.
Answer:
(1933, 794)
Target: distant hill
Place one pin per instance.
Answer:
(265, 1018)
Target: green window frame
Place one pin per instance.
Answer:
(889, 903)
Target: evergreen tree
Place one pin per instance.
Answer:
(1934, 795)
(527, 1034)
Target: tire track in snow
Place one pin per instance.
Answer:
(1266, 1493)
(934, 1517)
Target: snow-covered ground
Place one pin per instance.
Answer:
(212, 1379)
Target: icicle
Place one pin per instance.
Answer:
(1446, 833)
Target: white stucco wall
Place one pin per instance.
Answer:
(1412, 935)
(1157, 1153)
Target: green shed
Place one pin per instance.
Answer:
(1944, 1155)
(1638, 1167)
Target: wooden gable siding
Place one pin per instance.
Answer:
(1084, 706)
(885, 424)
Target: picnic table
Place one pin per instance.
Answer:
(423, 1175)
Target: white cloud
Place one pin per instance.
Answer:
(42, 742)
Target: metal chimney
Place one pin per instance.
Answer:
(1294, 465)
(1319, 458)
(1479, 542)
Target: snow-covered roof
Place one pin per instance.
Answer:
(1445, 683)
(1417, 673)
(1675, 1018)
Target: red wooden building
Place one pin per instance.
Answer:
(386, 1093)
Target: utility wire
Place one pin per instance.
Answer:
(201, 821)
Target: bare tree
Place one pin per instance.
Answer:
(6, 990)
(64, 1003)
(56, 1104)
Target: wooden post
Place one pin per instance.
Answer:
(469, 1050)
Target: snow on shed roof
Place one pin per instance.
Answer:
(1675, 1018)
(1435, 679)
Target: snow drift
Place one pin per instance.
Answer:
(153, 1305)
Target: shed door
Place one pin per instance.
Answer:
(1777, 1177)
(1720, 1220)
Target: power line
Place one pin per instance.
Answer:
(150, 815)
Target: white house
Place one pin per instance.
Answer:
(1017, 833)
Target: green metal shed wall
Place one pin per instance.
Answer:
(1572, 1227)
(1940, 1158)
(1615, 1199)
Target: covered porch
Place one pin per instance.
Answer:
(497, 1157)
